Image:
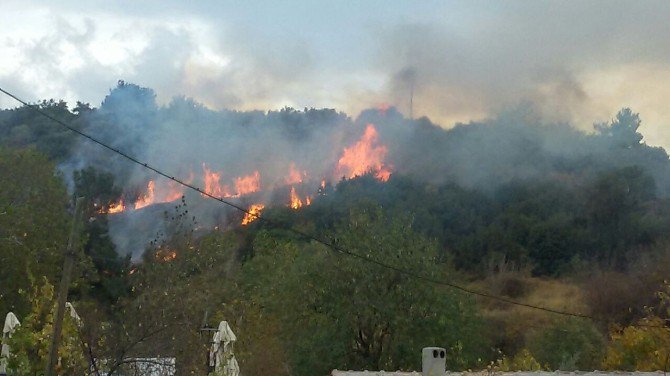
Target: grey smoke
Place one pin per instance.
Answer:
(518, 144)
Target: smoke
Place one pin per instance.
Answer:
(516, 73)
(462, 62)
(186, 140)
(550, 57)
(189, 141)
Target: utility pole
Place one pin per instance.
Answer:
(64, 286)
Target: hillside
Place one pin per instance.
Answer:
(360, 218)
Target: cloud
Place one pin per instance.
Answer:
(461, 60)
(543, 53)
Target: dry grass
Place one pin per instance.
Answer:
(511, 325)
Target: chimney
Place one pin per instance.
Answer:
(433, 361)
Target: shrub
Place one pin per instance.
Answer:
(569, 345)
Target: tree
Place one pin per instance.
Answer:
(30, 344)
(100, 192)
(178, 281)
(33, 225)
(23, 127)
(339, 312)
(623, 130)
(645, 347)
(618, 211)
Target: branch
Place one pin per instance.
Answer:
(120, 359)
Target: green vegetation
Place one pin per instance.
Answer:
(387, 316)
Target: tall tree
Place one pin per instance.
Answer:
(623, 129)
(100, 192)
(33, 225)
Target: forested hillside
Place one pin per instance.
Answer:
(362, 217)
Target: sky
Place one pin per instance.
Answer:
(570, 61)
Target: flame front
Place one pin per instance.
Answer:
(365, 156)
(148, 198)
(296, 203)
(113, 208)
(252, 215)
(295, 176)
(213, 184)
(174, 192)
(116, 207)
(166, 255)
(248, 184)
(171, 192)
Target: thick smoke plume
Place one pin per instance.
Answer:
(283, 158)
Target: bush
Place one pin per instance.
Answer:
(639, 348)
(645, 347)
(522, 361)
(569, 345)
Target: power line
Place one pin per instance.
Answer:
(303, 234)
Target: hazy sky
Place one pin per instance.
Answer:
(577, 61)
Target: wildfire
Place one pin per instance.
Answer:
(166, 255)
(248, 184)
(243, 184)
(172, 193)
(116, 207)
(148, 198)
(365, 156)
(113, 208)
(294, 175)
(296, 203)
(254, 212)
(213, 185)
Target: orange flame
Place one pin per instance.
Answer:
(113, 208)
(294, 175)
(213, 185)
(365, 156)
(116, 207)
(243, 185)
(254, 212)
(165, 255)
(172, 193)
(148, 198)
(248, 184)
(296, 203)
